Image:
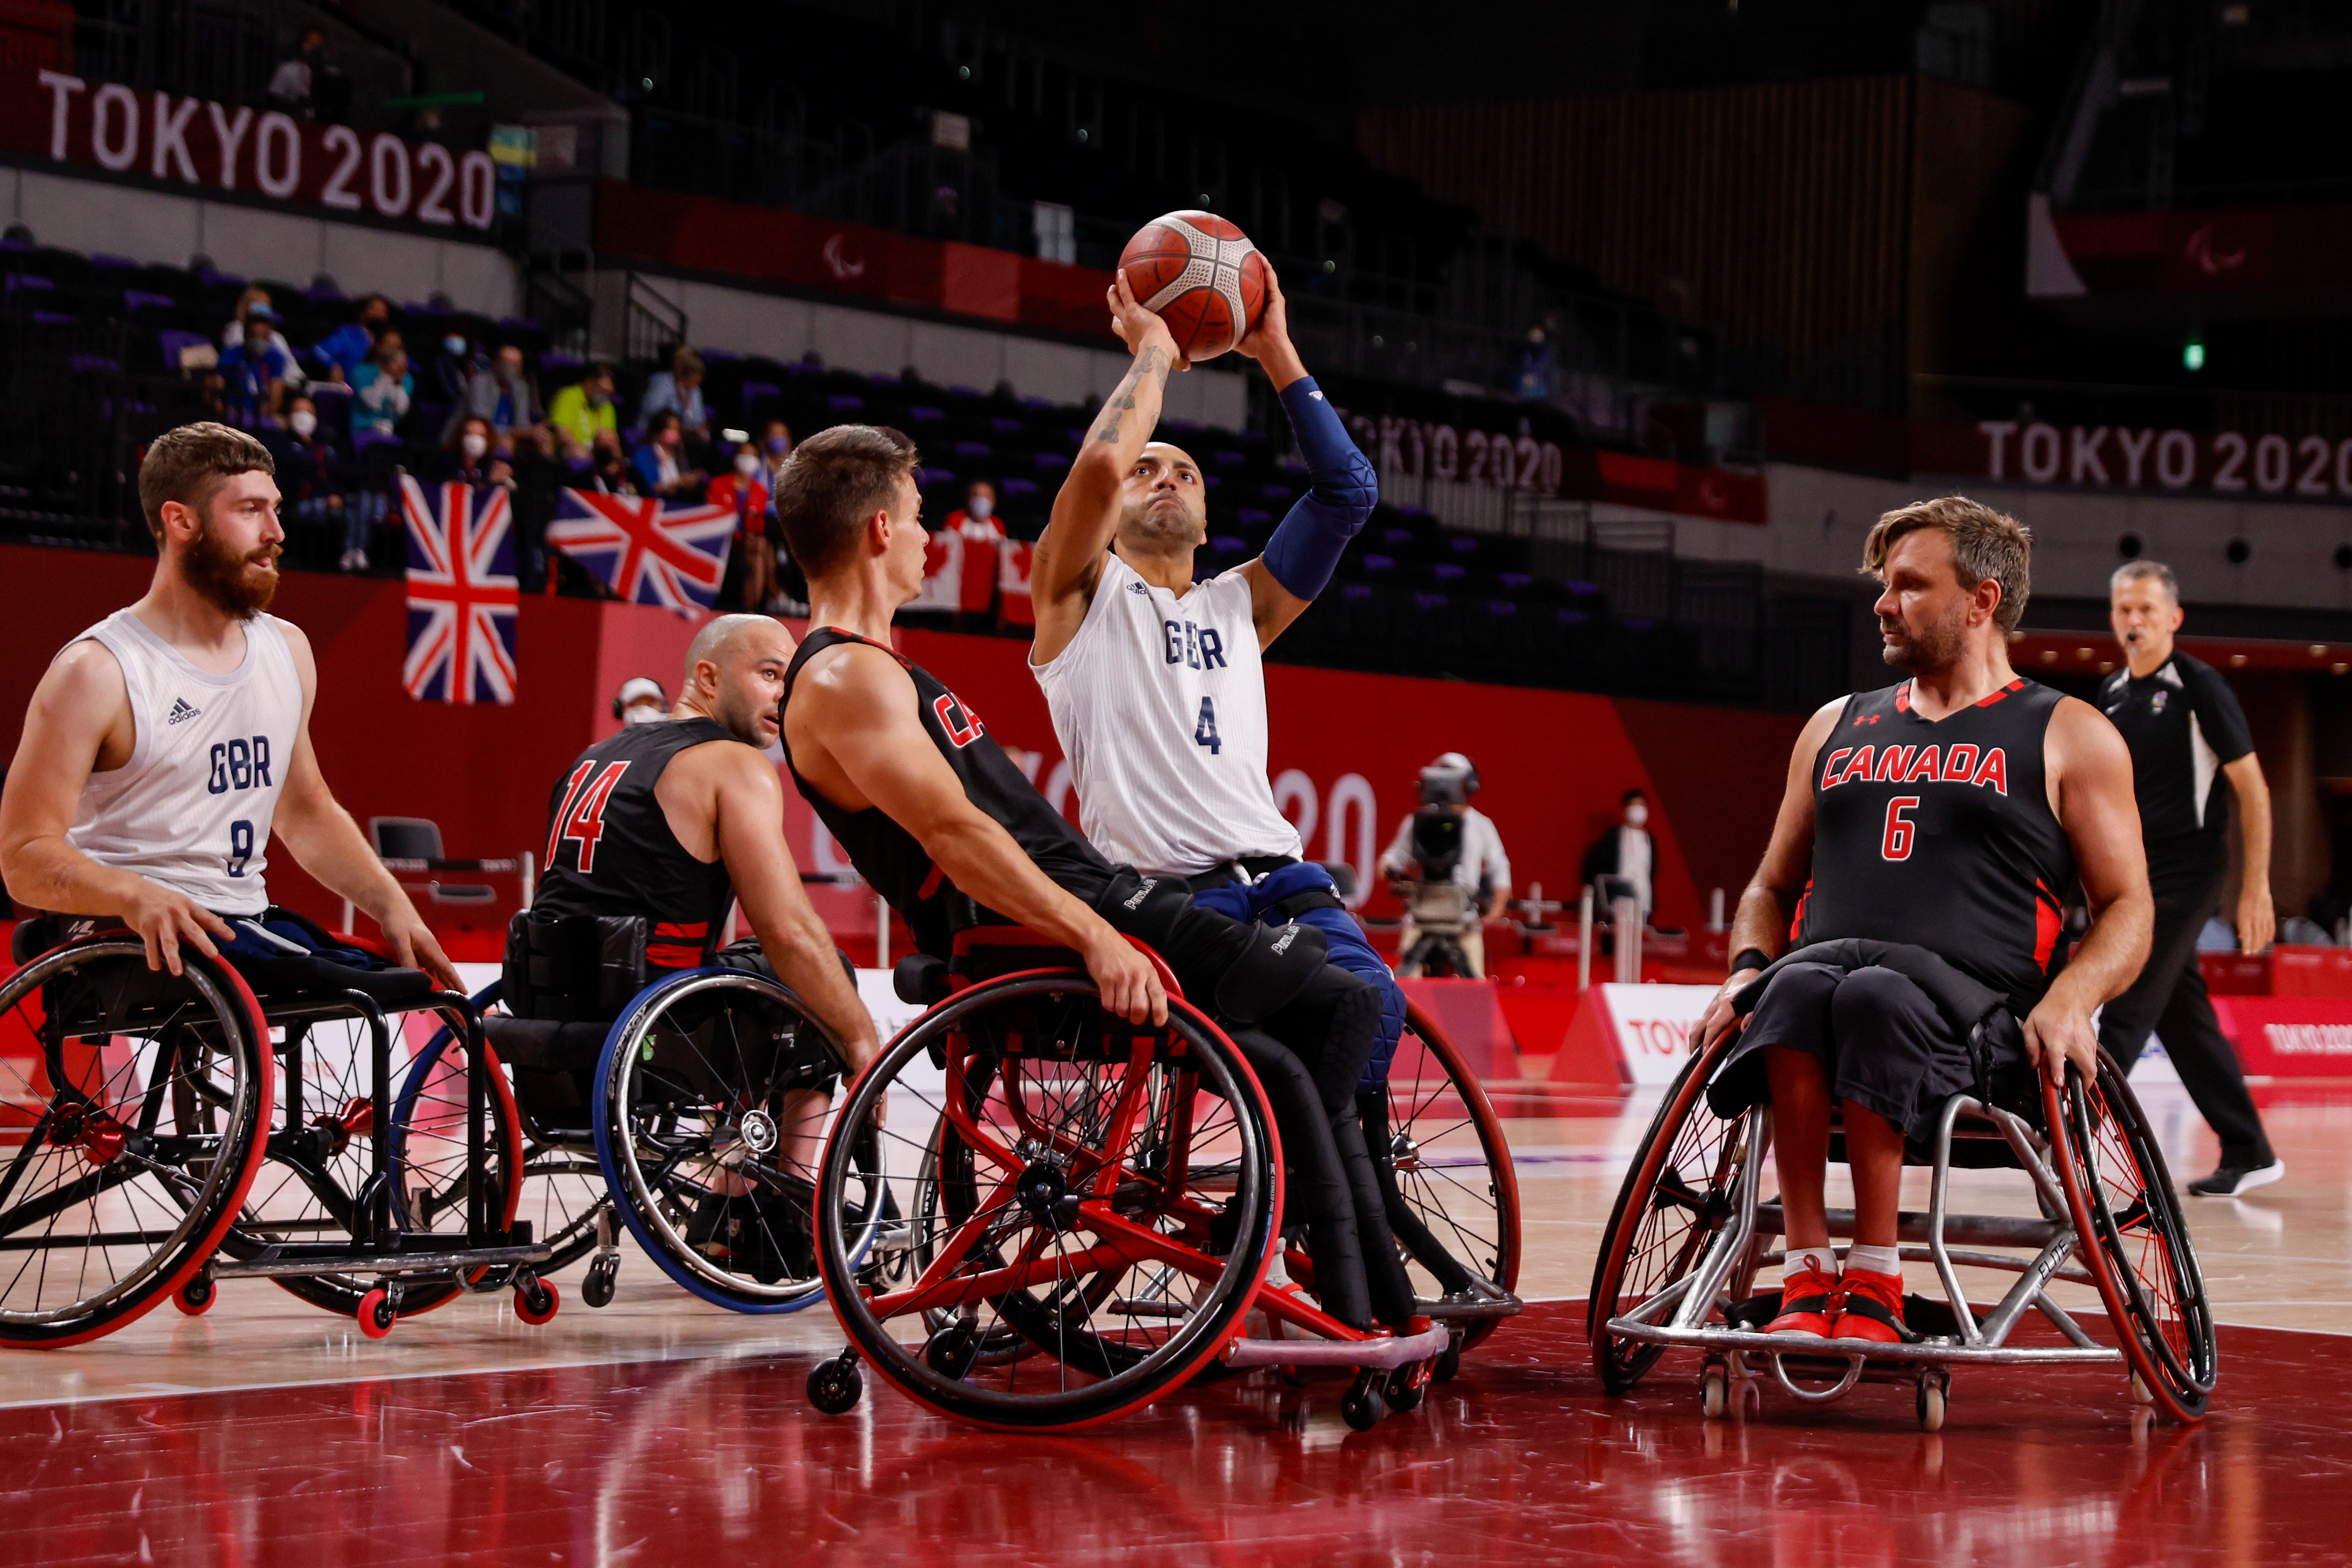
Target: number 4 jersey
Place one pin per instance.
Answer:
(1940, 835)
(610, 850)
(192, 808)
(1159, 703)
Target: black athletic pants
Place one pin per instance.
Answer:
(2169, 997)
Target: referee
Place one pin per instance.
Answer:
(2186, 733)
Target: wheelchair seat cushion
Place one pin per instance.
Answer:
(286, 959)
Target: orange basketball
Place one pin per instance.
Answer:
(1201, 276)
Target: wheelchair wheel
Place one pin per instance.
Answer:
(1676, 1197)
(2122, 1199)
(712, 1100)
(1439, 1151)
(322, 1156)
(146, 1099)
(1106, 1193)
(562, 1188)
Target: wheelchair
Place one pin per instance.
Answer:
(1693, 1226)
(1093, 1209)
(165, 1140)
(677, 1119)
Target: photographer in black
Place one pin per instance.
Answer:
(1450, 862)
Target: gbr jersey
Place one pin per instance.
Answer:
(192, 809)
(1940, 835)
(1159, 704)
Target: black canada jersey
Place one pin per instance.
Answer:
(890, 858)
(1940, 835)
(610, 850)
(2183, 725)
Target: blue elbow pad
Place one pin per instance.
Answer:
(1342, 490)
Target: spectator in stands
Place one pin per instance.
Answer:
(233, 335)
(467, 457)
(319, 487)
(753, 563)
(776, 448)
(502, 393)
(584, 410)
(343, 350)
(608, 466)
(381, 387)
(976, 519)
(1628, 850)
(255, 373)
(453, 369)
(678, 390)
(294, 83)
(660, 461)
(1538, 376)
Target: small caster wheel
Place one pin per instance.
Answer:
(596, 1290)
(2141, 1393)
(1402, 1393)
(1714, 1393)
(834, 1386)
(1449, 1362)
(196, 1297)
(535, 1302)
(377, 1314)
(951, 1352)
(1931, 1405)
(1362, 1406)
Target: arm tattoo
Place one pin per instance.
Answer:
(1152, 361)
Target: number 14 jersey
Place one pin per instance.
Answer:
(1940, 835)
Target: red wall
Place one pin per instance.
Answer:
(1553, 762)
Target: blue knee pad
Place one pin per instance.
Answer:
(1289, 894)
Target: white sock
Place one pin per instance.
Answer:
(1875, 1259)
(1799, 1259)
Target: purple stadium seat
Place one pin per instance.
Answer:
(842, 402)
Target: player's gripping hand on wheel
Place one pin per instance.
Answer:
(1129, 986)
(166, 921)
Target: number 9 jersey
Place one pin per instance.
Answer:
(1940, 835)
(191, 810)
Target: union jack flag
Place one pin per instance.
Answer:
(648, 553)
(461, 593)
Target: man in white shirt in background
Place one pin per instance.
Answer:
(1483, 871)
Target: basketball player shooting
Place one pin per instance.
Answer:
(1155, 683)
(167, 742)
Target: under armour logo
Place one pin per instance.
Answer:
(180, 710)
(1865, 718)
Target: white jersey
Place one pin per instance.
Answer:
(1159, 703)
(192, 808)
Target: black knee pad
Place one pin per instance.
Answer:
(1334, 1025)
(1148, 908)
(1271, 970)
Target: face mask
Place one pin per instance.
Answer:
(454, 345)
(747, 463)
(777, 445)
(669, 438)
(643, 712)
(303, 420)
(979, 507)
(1636, 814)
(474, 445)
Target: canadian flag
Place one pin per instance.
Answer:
(1013, 563)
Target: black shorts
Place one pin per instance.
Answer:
(1882, 1044)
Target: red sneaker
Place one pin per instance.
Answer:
(1870, 1307)
(1806, 1301)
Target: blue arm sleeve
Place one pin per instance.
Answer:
(1342, 489)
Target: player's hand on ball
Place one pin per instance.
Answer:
(166, 920)
(2056, 1035)
(1128, 985)
(1137, 326)
(414, 946)
(1272, 333)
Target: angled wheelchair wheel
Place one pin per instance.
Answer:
(316, 1183)
(2123, 1201)
(1676, 1197)
(712, 1102)
(1439, 1151)
(129, 1134)
(1102, 1193)
(562, 1188)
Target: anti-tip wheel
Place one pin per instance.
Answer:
(1361, 1406)
(596, 1290)
(1402, 1393)
(536, 1302)
(1449, 1362)
(1931, 1406)
(196, 1297)
(375, 1315)
(834, 1386)
(953, 1350)
(1714, 1393)
(2141, 1393)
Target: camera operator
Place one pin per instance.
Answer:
(1454, 873)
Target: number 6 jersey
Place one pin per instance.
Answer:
(1159, 703)
(1940, 835)
(192, 809)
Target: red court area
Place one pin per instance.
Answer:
(1519, 1460)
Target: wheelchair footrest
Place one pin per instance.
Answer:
(1387, 1354)
(1934, 1352)
(1926, 1316)
(293, 1260)
(1482, 1302)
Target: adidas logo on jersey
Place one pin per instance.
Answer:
(1139, 588)
(180, 710)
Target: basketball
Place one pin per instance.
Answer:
(1201, 276)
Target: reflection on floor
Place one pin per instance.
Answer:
(661, 1426)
